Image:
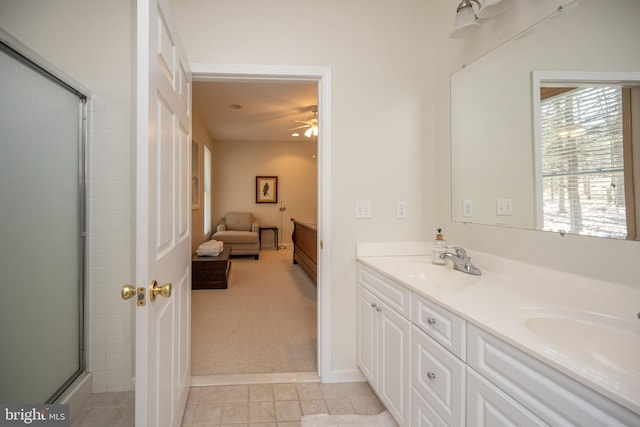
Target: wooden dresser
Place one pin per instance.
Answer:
(305, 248)
(210, 272)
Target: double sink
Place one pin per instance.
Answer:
(585, 328)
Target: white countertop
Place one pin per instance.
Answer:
(587, 329)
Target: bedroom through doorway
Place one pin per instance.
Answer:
(268, 320)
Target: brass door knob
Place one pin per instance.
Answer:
(164, 290)
(128, 292)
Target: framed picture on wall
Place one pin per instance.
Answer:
(266, 189)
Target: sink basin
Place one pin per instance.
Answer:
(590, 340)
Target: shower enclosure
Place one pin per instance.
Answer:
(42, 227)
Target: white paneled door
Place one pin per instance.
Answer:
(163, 209)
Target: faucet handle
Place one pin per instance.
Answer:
(460, 252)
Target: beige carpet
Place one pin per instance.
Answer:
(264, 322)
(384, 419)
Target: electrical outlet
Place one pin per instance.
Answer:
(504, 207)
(363, 209)
(467, 208)
(401, 209)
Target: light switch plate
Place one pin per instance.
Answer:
(401, 209)
(467, 208)
(504, 207)
(363, 209)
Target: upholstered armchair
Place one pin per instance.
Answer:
(239, 232)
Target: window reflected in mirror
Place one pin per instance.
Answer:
(586, 150)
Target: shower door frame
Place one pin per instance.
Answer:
(28, 58)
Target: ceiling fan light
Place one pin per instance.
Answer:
(465, 21)
(491, 8)
(308, 132)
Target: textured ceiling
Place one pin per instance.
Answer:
(269, 109)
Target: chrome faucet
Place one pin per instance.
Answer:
(461, 261)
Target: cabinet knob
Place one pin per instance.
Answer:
(431, 375)
(431, 321)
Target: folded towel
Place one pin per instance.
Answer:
(210, 248)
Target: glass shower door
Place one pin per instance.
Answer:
(41, 232)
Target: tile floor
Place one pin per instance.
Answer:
(254, 405)
(106, 409)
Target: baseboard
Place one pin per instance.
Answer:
(346, 376)
(271, 378)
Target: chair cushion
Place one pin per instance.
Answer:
(238, 221)
(234, 236)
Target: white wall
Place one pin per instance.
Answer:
(90, 40)
(382, 113)
(236, 165)
(605, 259)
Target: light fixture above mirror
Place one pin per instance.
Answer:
(466, 20)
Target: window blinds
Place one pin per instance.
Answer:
(583, 162)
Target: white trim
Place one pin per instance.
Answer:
(538, 215)
(321, 75)
(347, 376)
(272, 378)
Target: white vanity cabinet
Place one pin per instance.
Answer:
(488, 406)
(431, 367)
(438, 383)
(438, 370)
(550, 395)
(384, 339)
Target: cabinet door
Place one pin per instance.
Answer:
(439, 377)
(487, 406)
(367, 335)
(394, 375)
(422, 414)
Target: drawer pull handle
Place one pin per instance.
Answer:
(431, 321)
(374, 305)
(378, 309)
(431, 375)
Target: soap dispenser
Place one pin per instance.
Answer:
(439, 247)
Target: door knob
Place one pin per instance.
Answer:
(164, 290)
(128, 292)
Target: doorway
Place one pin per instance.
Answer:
(322, 77)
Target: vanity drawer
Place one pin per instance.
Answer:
(550, 395)
(488, 406)
(440, 324)
(393, 294)
(439, 377)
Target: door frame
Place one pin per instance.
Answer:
(321, 76)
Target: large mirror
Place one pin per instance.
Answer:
(529, 148)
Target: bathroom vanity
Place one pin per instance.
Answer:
(519, 345)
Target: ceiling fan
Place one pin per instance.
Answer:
(311, 124)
